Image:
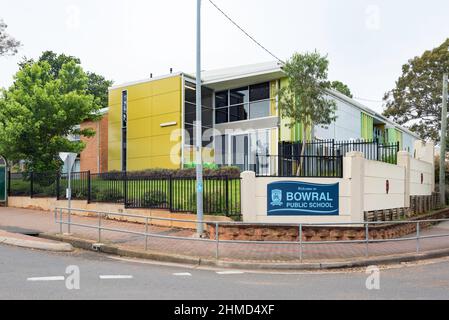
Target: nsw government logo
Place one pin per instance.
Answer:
(276, 198)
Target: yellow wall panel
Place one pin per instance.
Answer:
(114, 151)
(114, 113)
(138, 148)
(167, 85)
(161, 146)
(114, 165)
(140, 91)
(139, 128)
(139, 164)
(163, 162)
(140, 108)
(115, 97)
(114, 132)
(150, 104)
(166, 103)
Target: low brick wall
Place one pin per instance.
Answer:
(249, 232)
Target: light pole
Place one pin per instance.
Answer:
(198, 126)
(443, 143)
(69, 159)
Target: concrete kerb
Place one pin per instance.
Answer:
(242, 265)
(39, 245)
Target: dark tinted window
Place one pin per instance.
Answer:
(221, 115)
(238, 113)
(239, 96)
(221, 99)
(259, 92)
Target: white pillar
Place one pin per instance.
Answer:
(355, 164)
(248, 196)
(404, 161)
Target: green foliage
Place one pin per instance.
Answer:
(107, 195)
(231, 172)
(40, 110)
(154, 198)
(8, 45)
(304, 99)
(342, 88)
(97, 85)
(417, 98)
(206, 165)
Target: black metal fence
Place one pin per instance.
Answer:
(300, 166)
(221, 195)
(372, 149)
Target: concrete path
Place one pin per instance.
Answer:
(228, 252)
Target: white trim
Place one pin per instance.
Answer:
(168, 124)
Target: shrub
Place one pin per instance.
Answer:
(107, 195)
(154, 199)
(212, 171)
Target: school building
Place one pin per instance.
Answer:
(150, 122)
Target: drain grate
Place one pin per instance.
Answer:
(27, 232)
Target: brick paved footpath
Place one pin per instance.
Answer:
(255, 252)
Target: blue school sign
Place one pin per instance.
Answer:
(302, 199)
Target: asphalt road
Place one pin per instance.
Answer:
(24, 275)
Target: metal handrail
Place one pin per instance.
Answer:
(102, 214)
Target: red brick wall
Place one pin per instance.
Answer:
(94, 157)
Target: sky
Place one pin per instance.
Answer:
(367, 42)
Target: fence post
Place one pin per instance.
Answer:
(99, 226)
(367, 238)
(217, 240)
(31, 184)
(170, 192)
(125, 189)
(417, 237)
(9, 181)
(146, 233)
(58, 186)
(89, 189)
(227, 195)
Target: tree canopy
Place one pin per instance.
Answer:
(304, 100)
(8, 45)
(342, 88)
(97, 84)
(417, 98)
(41, 109)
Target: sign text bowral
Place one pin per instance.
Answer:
(302, 199)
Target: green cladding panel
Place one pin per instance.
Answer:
(367, 127)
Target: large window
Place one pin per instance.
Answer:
(250, 102)
(190, 112)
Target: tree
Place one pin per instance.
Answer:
(304, 100)
(417, 98)
(97, 84)
(8, 45)
(342, 88)
(40, 110)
